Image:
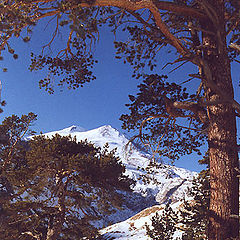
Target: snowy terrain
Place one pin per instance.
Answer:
(134, 227)
(172, 183)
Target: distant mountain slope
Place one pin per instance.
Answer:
(172, 182)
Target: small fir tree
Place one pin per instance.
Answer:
(194, 215)
(164, 225)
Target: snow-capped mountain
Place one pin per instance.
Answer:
(102, 135)
(168, 184)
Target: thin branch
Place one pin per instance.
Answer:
(180, 59)
(68, 43)
(235, 22)
(188, 80)
(165, 30)
(159, 140)
(190, 122)
(236, 60)
(141, 20)
(196, 28)
(235, 46)
(113, 15)
(149, 119)
(195, 76)
(189, 128)
(47, 14)
(146, 24)
(32, 235)
(54, 34)
(149, 17)
(121, 16)
(179, 66)
(199, 88)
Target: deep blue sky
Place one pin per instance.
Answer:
(98, 103)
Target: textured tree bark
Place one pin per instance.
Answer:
(224, 198)
(223, 161)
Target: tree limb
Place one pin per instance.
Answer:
(234, 46)
(163, 5)
(195, 108)
(208, 81)
(32, 235)
(179, 9)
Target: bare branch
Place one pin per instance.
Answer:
(138, 17)
(54, 34)
(235, 19)
(174, 41)
(32, 235)
(179, 66)
(234, 46)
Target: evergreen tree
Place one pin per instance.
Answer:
(203, 32)
(164, 225)
(62, 186)
(192, 216)
(12, 147)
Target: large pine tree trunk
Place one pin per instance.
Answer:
(223, 161)
(224, 198)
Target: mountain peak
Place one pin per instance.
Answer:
(107, 127)
(66, 131)
(107, 130)
(75, 128)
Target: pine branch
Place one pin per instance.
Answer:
(38, 237)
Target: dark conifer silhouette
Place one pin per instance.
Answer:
(52, 188)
